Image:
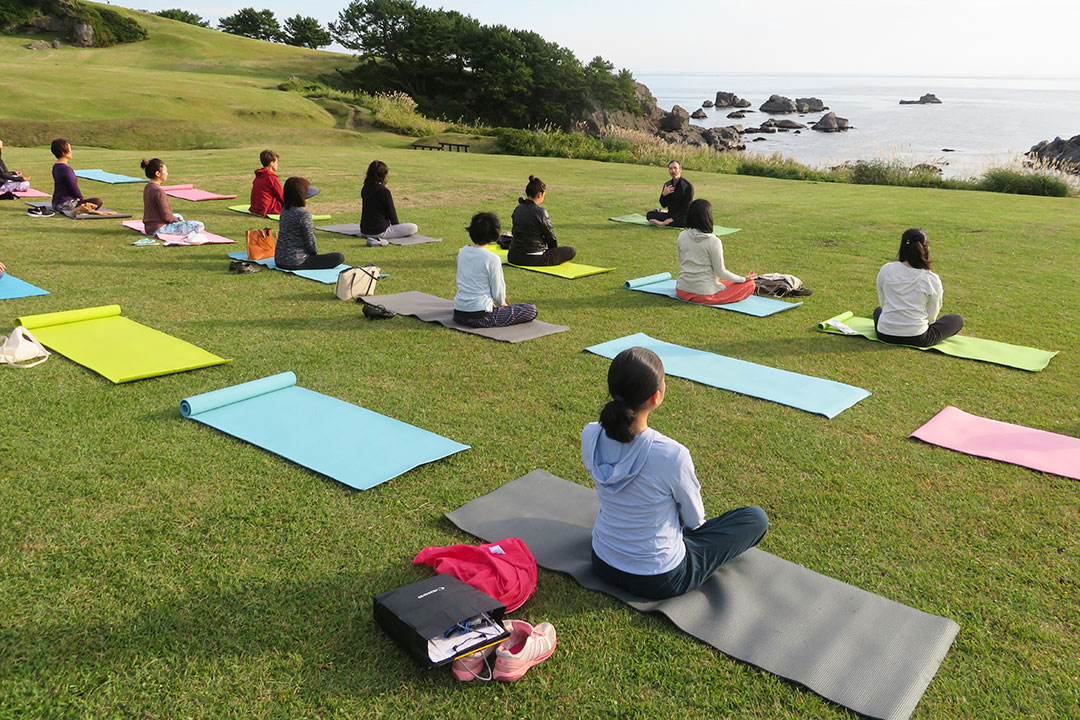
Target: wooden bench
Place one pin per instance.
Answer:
(454, 147)
(421, 146)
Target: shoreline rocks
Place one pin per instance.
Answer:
(806, 105)
(726, 99)
(699, 114)
(927, 99)
(778, 105)
(1061, 154)
(829, 122)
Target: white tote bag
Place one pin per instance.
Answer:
(21, 348)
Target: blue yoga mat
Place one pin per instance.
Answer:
(350, 444)
(107, 177)
(664, 284)
(324, 276)
(12, 287)
(804, 392)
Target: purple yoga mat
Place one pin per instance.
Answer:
(1047, 452)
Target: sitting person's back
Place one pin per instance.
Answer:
(481, 291)
(295, 247)
(534, 241)
(910, 296)
(266, 191)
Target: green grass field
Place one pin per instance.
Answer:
(152, 567)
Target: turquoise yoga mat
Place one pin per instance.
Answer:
(353, 445)
(664, 284)
(639, 219)
(12, 287)
(324, 276)
(107, 177)
(816, 395)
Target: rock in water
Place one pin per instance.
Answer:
(677, 119)
(699, 114)
(737, 114)
(829, 122)
(812, 104)
(778, 105)
(1061, 154)
(707, 103)
(726, 99)
(927, 99)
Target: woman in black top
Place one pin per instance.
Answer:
(676, 196)
(534, 240)
(295, 248)
(378, 218)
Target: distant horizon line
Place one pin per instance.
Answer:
(994, 76)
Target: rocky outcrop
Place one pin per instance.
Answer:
(829, 122)
(737, 114)
(677, 119)
(726, 99)
(699, 114)
(1057, 153)
(717, 138)
(79, 33)
(763, 130)
(707, 103)
(39, 45)
(812, 104)
(778, 105)
(647, 120)
(784, 124)
(927, 99)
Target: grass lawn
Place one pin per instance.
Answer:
(152, 567)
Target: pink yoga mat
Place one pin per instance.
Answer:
(1048, 452)
(194, 194)
(30, 193)
(211, 238)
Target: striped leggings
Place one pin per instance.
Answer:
(499, 317)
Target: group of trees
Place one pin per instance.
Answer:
(457, 68)
(262, 25)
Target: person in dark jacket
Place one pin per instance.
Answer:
(676, 196)
(534, 240)
(378, 217)
(11, 181)
(295, 248)
(266, 193)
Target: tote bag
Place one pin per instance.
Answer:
(260, 244)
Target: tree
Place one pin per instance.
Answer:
(183, 16)
(306, 32)
(252, 23)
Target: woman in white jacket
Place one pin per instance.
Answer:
(702, 275)
(909, 295)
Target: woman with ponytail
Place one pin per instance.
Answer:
(158, 216)
(651, 536)
(909, 297)
(534, 240)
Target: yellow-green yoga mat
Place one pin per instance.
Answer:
(965, 346)
(567, 270)
(246, 210)
(120, 349)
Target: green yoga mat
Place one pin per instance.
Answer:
(965, 346)
(568, 270)
(636, 219)
(272, 216)
(120, 349)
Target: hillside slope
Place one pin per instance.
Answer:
(184, 87)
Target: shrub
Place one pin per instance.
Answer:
(1005, 180)
(110, 27)
(777, 166)
(184, 16)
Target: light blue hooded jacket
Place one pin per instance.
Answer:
(645, 488)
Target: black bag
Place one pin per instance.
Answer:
(414, 614)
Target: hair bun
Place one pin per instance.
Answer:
(144, 163)
(531, 178)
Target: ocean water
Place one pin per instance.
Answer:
(986, 121)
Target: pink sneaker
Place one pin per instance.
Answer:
(526, 646)
(471, 666)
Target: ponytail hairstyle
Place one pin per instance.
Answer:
(152, 167)
(535, 187)
(915, 249)
(376, 173)
(699, 216)
(634, 376)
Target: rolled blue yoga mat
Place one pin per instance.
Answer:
(664, 284)
(816, 395)
(353, 445)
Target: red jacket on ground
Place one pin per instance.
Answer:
(505, 570)
(266, 194)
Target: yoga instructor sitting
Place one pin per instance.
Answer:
(702, 275)
(295, 249)
(676, 196)
(910, 295)
(534, 240)
(651, 536)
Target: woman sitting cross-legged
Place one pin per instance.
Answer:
(702, 275)
(295, 249)
(910, 294)
(378, 217)
(651, 536)
(534, 240)
(158, 216)
(481, 295)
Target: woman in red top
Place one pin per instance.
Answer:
(266, 193)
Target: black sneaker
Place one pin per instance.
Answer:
(7, 196)
(240, 267)
(38, 211)
(376, 312)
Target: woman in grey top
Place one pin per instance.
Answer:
(295, 249)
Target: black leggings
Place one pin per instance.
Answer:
(944, 327)
(662, 216)
(551, 256)
(318, 262)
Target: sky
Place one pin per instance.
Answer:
(898, 37)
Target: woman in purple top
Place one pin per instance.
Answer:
(66, 195)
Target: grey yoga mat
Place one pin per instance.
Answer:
(430, 308)
(852, 647)
(354, 230)
(85, 216)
